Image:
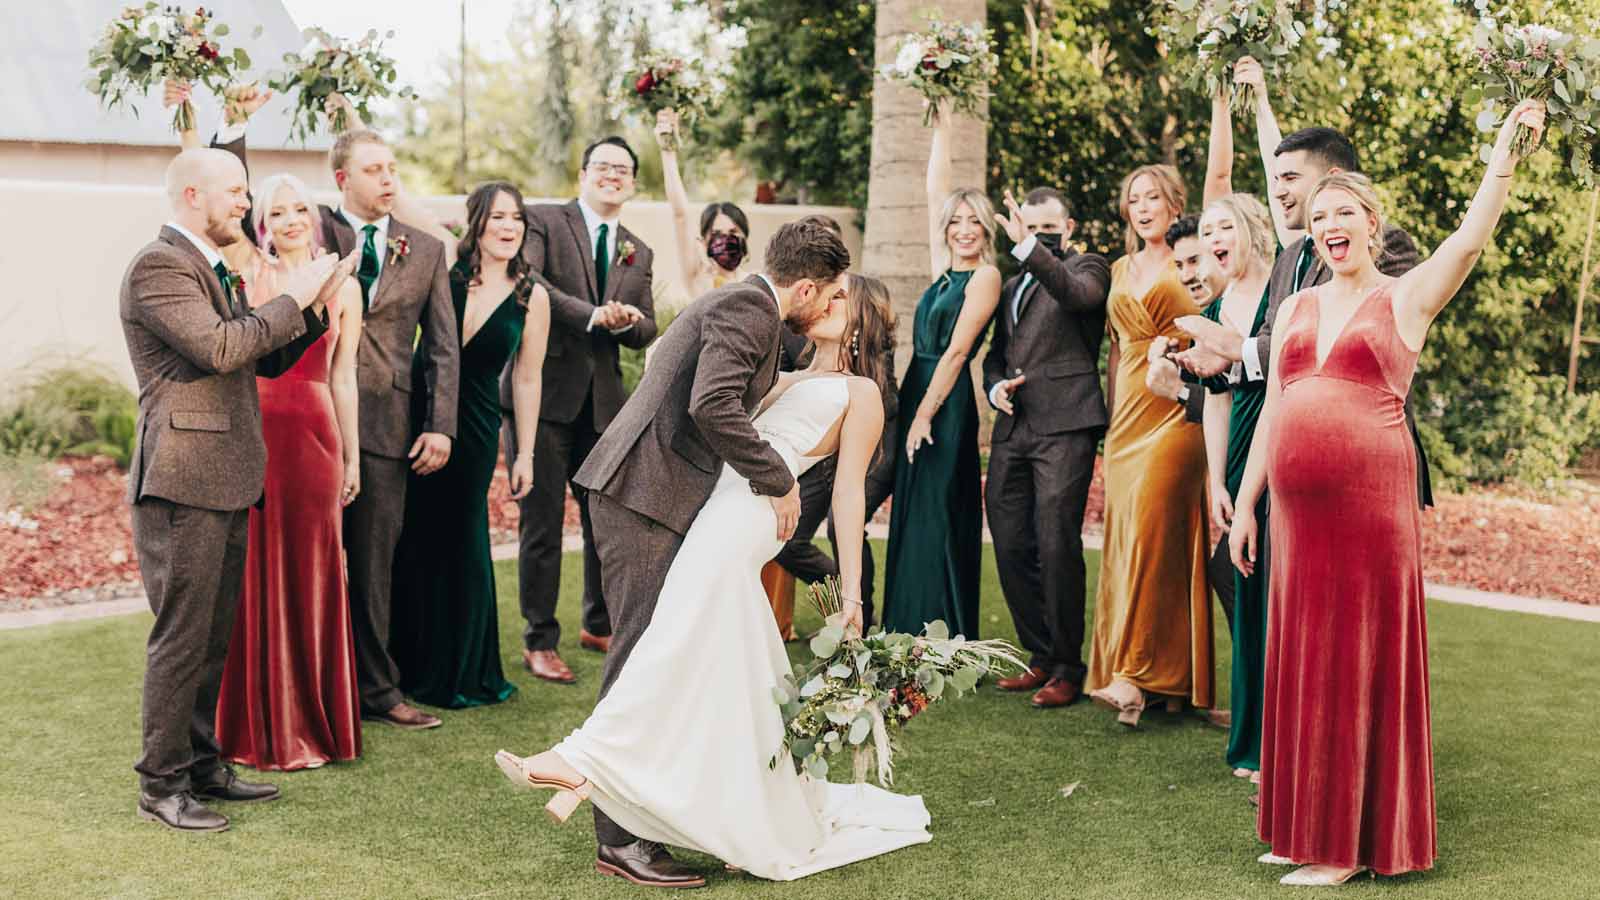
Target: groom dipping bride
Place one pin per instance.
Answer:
(691, 490)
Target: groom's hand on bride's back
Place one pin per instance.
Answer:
(788, 509)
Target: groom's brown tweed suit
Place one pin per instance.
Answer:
(656, 465)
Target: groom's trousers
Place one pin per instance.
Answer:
(635, 554)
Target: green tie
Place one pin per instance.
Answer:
(602, 262)
(226, 277)
(1303, 265)
(368, 273)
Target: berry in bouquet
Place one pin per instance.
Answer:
(1204, 38)
(948, 62)
(1532, 62)
(149, 43)
(857, 693)
(326, 65)
(669, 82)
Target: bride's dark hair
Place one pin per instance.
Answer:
(869, 331)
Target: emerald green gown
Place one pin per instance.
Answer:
(446, 633)
(936, 521)
(1250, 594)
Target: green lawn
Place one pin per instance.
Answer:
(1155, 814)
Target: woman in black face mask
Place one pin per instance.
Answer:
(712, 257)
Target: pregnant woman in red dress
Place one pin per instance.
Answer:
(288, 697)
(1346, 751)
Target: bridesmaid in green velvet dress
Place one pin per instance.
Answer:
(446, 633)
(936, 522)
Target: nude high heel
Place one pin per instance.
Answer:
(568, 797)
(1321, 876)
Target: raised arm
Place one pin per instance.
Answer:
(527, 385)
(1219, 149)
(1422, 293)
(938, 188)
(859, 437)
(1249, 72)
(737, 332)
(1079, 283)
(683, 236)
(977, 309)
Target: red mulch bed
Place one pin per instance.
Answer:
(1491, 540)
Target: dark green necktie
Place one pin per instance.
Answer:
(226, 277)
(368, 273)
(1303, 265)
(602, 262)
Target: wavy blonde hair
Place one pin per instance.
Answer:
(262, 209)
(1252, 220)
(980, 207)
(1168, 182)
(1360, 187)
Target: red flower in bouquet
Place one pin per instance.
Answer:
(645, 84)
(207, 51)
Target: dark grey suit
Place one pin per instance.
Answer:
(199, 462)
(656, 465)
(582, 392)
(1042, 458)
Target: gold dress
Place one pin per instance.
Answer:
(1152, 617)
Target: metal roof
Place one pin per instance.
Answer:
(44, 60)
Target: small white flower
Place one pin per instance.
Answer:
(1539, 34)
(910, 57)
(310, 50)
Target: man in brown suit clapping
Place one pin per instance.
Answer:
(198, 464)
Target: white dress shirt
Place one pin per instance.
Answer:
(212, 254)
(380, 238)
(592, 221)
(1020, 252)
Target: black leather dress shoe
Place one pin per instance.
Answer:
(224, 785)
(181, 812)
(646, 863)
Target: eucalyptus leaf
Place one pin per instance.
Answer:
(937, 630)
(817, 768)
(839, 670)
(859, 729)
(802, 748)
(823, 646)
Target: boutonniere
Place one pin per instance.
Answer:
(627, 251)
(399, 248)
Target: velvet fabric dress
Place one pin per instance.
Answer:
(1152, 617)
(446, 633)
(936, 522)
(288, 697)
(1346, 743)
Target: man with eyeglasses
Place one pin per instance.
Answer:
(598, 277)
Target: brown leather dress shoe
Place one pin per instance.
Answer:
(1031, 680)
(404, 715)
(547, 664)
(648, 864)
(599, 643)
(1056, 692)
(181, 812)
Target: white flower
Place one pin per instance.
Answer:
(164, 25)
(310, 50)
(1539, 34)
(910, 57)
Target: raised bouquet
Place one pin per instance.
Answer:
(857, 693)
(950, 61)
(1532, 62)
(1211, 35)
(150, 43)
(668, 82)
(359, 70)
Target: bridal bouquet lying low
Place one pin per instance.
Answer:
(859, 692)
(149, 43)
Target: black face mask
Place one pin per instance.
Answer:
(1050, 240)
(727, 249)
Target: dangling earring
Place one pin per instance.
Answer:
(855, 343)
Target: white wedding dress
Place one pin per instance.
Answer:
(678, 751)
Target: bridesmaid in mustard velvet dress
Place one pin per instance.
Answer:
(1346, 743)
(1152, 618)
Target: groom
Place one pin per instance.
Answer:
(656, 465)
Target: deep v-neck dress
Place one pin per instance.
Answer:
(445, 637)
(1346, 742)
(1152, 617)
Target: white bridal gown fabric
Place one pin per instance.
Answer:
(678, 750)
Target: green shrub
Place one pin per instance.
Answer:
(25, 481)
(1521, 427)
(632, 360)
(70, 411)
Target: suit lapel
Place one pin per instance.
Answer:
(207, 275)
(776, 352)
(615, 273)
(1027, 297)
(392, 265)
(337, 232)
(580, 233)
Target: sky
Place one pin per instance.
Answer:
(425, 30)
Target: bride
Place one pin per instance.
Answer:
(678, 751)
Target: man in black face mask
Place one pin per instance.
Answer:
(1042, 374)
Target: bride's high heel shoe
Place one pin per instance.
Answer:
(1320, 876)
(523, 773)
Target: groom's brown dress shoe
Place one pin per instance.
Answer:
(599, 643)
(1031, 680)
(646, 863)
(547, 664)
(181, 812)
(404, 715)
(1056, 692)
(223, 784)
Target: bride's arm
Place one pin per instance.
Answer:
(859, 438)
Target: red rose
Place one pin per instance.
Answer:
(208, 51)
(645, 84)
(929, 63)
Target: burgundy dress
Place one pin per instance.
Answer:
(288, 697)
(1346, 749)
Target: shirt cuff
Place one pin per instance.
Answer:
(227, 134)
(1236, 373)
(1021, 251)
(627, 327)
(1250, 353)
(994, 393)
(592, 317)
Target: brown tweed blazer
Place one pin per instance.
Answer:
(196, 359)
(691, 413)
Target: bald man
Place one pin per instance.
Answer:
(198, 465)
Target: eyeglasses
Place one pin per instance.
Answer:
(604, 169)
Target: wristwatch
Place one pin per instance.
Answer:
(1183, 395)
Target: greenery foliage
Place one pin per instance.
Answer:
(70, 411)
(632, 360)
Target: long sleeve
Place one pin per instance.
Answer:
(175, 307)
(1080, 283)
(441, 365)
(736, 336)
(994, 361)
(572, 312)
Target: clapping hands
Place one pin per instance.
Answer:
(614, 316)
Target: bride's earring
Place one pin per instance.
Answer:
(855, 343)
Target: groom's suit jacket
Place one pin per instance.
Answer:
(663, 452)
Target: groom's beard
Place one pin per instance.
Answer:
(804, 317)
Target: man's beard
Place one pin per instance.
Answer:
(225, 232)
(804, 317)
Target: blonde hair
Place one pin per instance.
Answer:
(1168, 182)
(981, 207)
(1251, 219)
(1360, 187)
(262, 209)
(345, 144)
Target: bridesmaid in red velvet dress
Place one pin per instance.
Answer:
(288, 697)
(1346, 752)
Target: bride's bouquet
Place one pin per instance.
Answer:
(150, 43)
(949, 61)
(1215, 34)
(1532, 62)
(668, 82)
(858, 692)
(326, 65)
